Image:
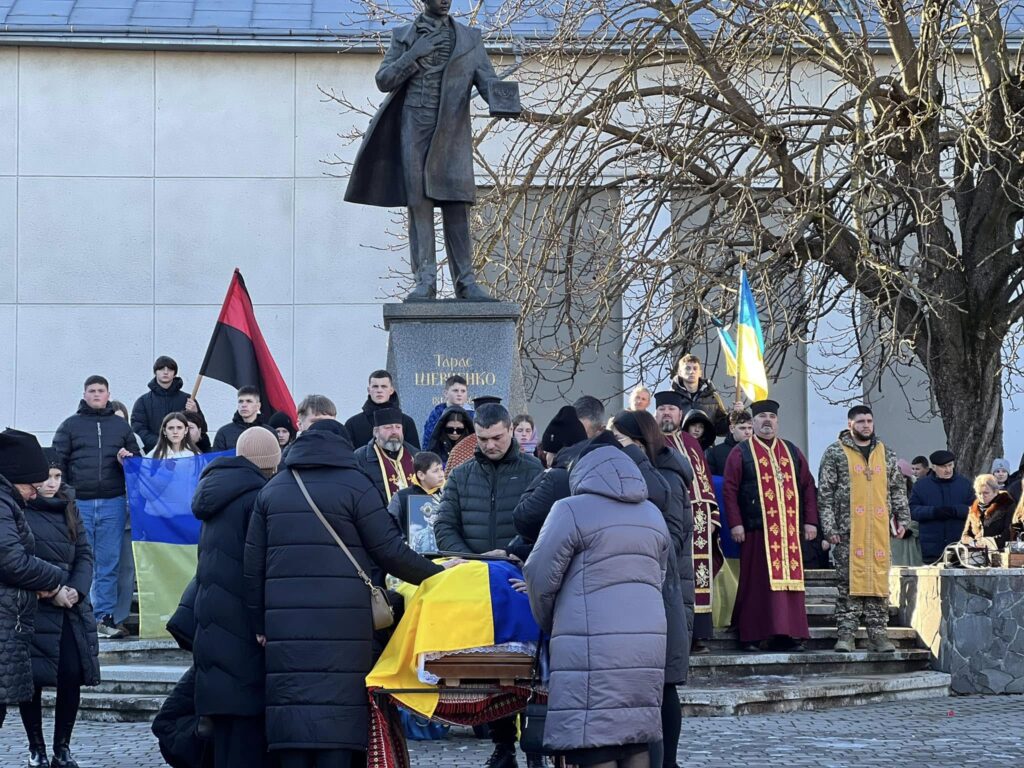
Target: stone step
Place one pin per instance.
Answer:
(758, 695)
(820, 576)
(110, 707)
(726, 666)
(134, 651)
(814, 591)
(821, 638)
(139, 679)
(824, 614)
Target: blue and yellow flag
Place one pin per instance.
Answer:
(728, 347)
(750, 371)
(469, 606)
(165, 535)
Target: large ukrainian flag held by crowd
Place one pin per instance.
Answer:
(165, 535)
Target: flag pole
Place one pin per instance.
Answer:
(739, 359)
(195, 387)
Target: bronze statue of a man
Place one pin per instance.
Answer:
(418, 149)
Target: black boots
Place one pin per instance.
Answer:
(504, 756)
(62, 757)
(36, 747)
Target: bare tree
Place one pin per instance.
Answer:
(861, 155)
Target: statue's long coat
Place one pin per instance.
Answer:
(377, 173)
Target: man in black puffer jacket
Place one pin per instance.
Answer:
(91, 446)
(475, 513)
(164, 396)
(22, 574)
(307, 602)
(228, 660)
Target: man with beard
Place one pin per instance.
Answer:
(768, 488)
(706, 521)
(387, 459)
(860, 489)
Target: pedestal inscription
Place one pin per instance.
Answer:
(430, 341)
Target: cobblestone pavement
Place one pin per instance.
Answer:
(932, 733)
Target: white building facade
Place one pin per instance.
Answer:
(140, 163)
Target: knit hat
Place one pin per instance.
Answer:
(564, 430)
(52, 458)
(21, 458)
(628, 424)
(280, 420)
(384, 416)
(1002, 464)
(259, 445)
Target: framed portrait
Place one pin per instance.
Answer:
(420, 511)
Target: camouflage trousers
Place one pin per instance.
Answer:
(849, 610)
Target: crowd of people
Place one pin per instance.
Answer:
(622, 523)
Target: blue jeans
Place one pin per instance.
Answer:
(125, 579)
(104, 526)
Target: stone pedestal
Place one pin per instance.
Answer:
(972, 619)
(431, 340)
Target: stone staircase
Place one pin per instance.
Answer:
(138, 674)
(729, 682)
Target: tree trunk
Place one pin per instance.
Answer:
(966, 379)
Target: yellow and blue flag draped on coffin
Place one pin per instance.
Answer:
(749, 354)
(165, 535)
(469, 606)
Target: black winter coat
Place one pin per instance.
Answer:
(228, 435)
(360, 426)
(940, 508)
(706, 399)
(534, 505)
(54, 545)
(182, 624)
(175, 727)
(366, 457)
(228, 660)
(22, 574)
(87, 444)
(679, 587)
(717, 454)
(475, 513)
(151, 408)
(305, 596)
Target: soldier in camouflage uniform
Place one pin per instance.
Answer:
(834, 491)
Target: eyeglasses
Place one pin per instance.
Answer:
(455, 430)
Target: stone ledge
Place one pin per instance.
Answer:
(450, 311)
(794, 693)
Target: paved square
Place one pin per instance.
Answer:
(931, 733)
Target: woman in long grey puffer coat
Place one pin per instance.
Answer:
(594, 579)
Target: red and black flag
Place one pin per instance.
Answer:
(238, 354)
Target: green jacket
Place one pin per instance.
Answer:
(834, 488)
